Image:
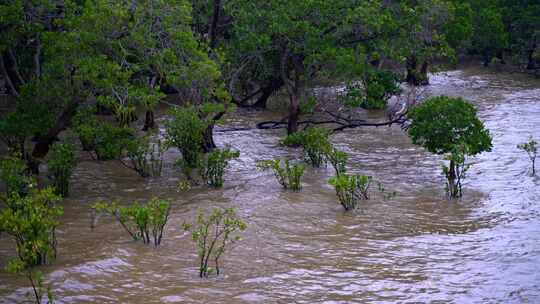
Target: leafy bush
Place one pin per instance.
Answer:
(141, 221)
(213, 235)
(86, 126)
(13, 173)
(111, 141)
(288, 176)
(351, 189)
(31, 221)
(61, 163)
(447, 125)
(315, 142)
(338, 160)
(373, 91)
(186, 132)
(214, 164)
(531, 147)
(31, 117)
(146, 157)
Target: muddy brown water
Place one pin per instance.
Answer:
(302, 247)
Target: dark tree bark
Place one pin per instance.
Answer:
(213, 31)
(149, 122)
(294, 115)
(208, 139)
(11, 86)
(267, 91)
(416, 76)
(63, 121)
(532, 63)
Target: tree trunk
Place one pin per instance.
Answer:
(486, 58)
(45, 141)
(7, 78)
(274, 86)
(208, 139)
(532, 63)
(415, 76)
(294, 114)
(214, 24)
(452, 187)
(149, 122)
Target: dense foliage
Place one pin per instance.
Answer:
(448, 125)
(61, 163)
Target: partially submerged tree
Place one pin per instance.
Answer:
(288, 174)
(531, 148)
(213, 234)
(449, 126)
(351, 189)
(142, 221)
(31, 221)
(294, 42)
(60, 166)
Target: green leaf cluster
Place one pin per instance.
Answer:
(213, 234)
(61, 163)
(288, 174)
(351, 189)
(142, 221)
(214, 164)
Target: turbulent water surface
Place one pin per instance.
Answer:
(302, 247)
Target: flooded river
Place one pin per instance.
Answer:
(302, 247)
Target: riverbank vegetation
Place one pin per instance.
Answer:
(101, 70)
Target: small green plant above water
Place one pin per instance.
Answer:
(213, 166)
(338, 160)
(146, 157)
(186, 132)
(351, 189)
(61, 163)
(31, 221)
(314, 141)
(144, 222)
(289, 176)
(213, 234)
(531, 147)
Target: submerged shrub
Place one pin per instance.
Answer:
(351, 189)
(146, 157)
(531, 147)
(31, 221)
(314, 141)
(289, 176)
(338, 160)
(14, 175)
(60, 164)
(144, 222)
(213, 234)
(86, 126)
(186, 132)
(111, 141)
(214, 164)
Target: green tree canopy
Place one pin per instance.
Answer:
(440, 124)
